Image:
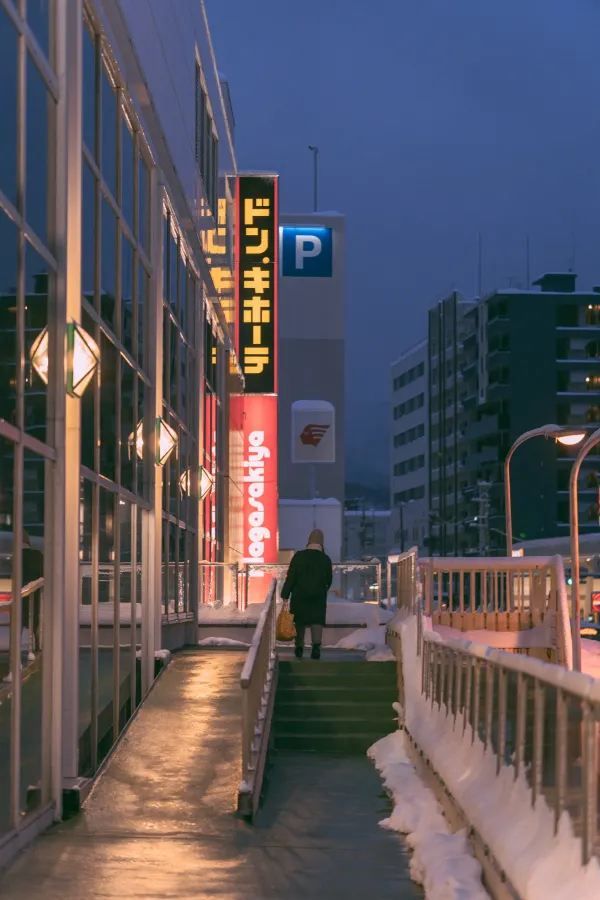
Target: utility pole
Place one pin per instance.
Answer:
(315, 152)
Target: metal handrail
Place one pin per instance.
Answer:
(534, 717)
(258, 682)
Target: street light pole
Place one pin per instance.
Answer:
(592, 441)
(563, 434)
(315, 153)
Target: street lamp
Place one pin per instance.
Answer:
(592, 441)
(563, 434)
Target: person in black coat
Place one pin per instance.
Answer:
(307, 582)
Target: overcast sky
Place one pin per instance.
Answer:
(435, 119)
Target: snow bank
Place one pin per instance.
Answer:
(229, 615)
(372, 640)
(590, 657)
(222, 642)
(442, 862)
(539, 863)
(345, 612)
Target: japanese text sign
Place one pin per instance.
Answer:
(256, 281)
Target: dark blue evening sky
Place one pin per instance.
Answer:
(435, 119)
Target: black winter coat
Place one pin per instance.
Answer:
(308, 580)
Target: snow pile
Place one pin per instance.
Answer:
(229, 614)
(539, 863)
(372, 640)
(590, 657)
(345, 612)
(442, 862)
(222, 642)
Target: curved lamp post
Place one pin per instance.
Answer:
(592, 441)
(563, 434)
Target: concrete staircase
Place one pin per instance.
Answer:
(337, 707)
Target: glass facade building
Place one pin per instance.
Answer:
(116, 363)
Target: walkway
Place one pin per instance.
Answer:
(160, 821)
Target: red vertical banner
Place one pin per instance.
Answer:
(256, 286)
(258, 413)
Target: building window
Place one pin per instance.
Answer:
(180, 375)
(28, 270)
(592, 314)
(567, 315)
(206, 142)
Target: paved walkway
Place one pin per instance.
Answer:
(160, 822)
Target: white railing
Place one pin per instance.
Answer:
(258, 682)
(535, 718)
(523, 600)
(342, 569)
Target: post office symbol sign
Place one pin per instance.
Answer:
(306, 252)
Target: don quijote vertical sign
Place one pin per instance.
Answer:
(255, 411)
(256, 281)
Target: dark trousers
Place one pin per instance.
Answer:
(316, 633)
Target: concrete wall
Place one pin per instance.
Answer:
(311, 347)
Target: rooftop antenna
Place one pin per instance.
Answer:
(479, 264)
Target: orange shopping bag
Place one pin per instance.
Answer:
(285, 630)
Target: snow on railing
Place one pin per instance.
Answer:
(537, 720)
(524, 599)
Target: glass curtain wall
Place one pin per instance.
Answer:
(211, 578)
(115, 469)
(180, 411)
(27, 283)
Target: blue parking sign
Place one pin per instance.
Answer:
(306, 252)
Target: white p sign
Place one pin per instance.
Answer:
(307, 246)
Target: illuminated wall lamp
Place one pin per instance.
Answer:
(206, 482)
(166, 441)
(83, 356)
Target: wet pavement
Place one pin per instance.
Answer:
(161, 821)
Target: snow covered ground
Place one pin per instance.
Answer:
(223, 642)
(442, 861)
(590, 657)
(372, 640)
(540, 864)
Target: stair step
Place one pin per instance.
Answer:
(335, 727)
(295, 709)
(322, 668)
(339, 744)
(318, 694)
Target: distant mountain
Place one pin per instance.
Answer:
(372, 495)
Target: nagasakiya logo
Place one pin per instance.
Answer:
(313, 434)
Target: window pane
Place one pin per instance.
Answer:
(85, 618)
(6, 609)
(142, 306)
(89, 90)
(172, 364)
(108, 271)
(88, 405)
(37, 280)
(108, 408)
(141, 487)
(128, 409)
(8, 79)
(125, 595)
(37, 151)
(144, 204)
(106, 593)
(109, 131)
(127, 293)
(173, 262)
(88, 237)
(38, 17)
(127, 171)
(8, 319)
(33, 607)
